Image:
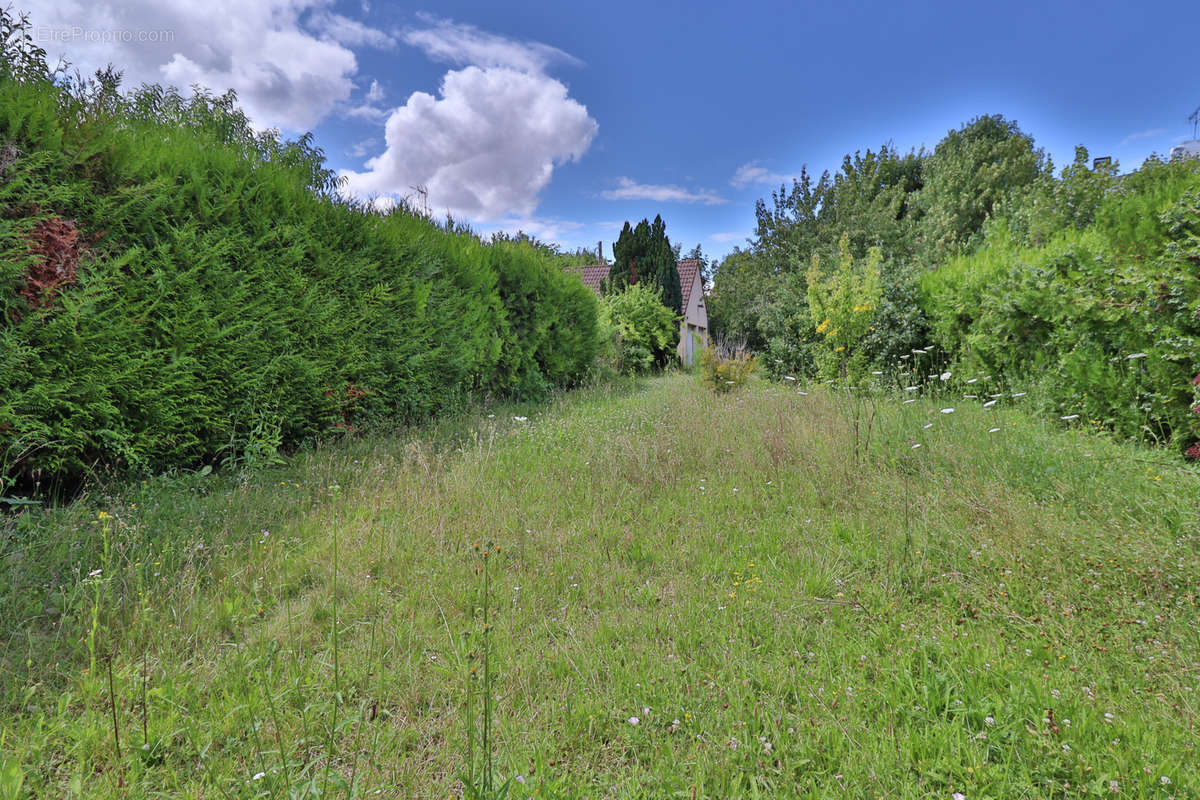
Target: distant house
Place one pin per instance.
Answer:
(693, 328)
(1186, 150)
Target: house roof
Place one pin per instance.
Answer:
(594, 275)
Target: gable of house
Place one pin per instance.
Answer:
(694, 324)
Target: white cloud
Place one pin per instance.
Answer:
(488, 143)
(628, 189)
(726, 237)
(288, 60)
(752, 173)
(360, 149)
(460, 44)
(1147, 134)
(375, 93)
(349, 32)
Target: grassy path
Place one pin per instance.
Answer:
(695, 596)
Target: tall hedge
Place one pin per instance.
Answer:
(176, 289)
(1106, 316)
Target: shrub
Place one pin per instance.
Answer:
(644, 331)
(724, 369)
(1107, 317)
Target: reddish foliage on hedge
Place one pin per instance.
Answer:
(56, 244)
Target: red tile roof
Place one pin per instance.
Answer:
(594, 275)
(689, 271)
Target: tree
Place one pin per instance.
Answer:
(971, 171)
(644, 253)
(842, 308)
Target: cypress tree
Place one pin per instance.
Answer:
(644, 253)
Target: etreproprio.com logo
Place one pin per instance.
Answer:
(76, 33)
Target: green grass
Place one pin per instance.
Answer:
(787, 607)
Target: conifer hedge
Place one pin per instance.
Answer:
(177, 289)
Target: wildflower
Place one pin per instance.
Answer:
(947, 410)
(1114, 787)
(95, 573)
(104, 515)
(1164, 780)
(634, 720)
(945, 376)
(958, 796)
(989, 721)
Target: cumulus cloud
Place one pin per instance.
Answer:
(487, 144)
(288, 60)
(629, 189)
(484, 148)
(752, 173)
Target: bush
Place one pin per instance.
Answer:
(644, 332)
(1107, 317)
(723, 370)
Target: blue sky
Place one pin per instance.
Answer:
(565, 119)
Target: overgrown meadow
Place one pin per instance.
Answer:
(779, 591)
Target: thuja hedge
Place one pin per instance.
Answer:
(215, 298)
